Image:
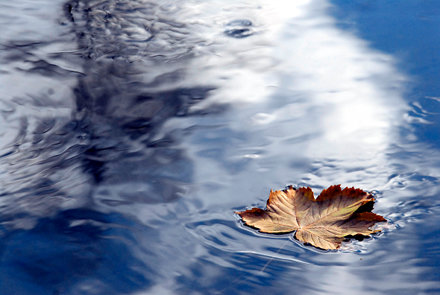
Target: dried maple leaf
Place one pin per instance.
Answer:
(321, 222)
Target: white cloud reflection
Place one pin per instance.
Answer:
(302, 79)
(314, 103)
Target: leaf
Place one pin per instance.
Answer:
(323, 222)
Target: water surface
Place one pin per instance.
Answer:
(132, 130)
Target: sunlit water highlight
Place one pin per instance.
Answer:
(132, 130)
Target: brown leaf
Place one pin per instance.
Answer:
(321, 222)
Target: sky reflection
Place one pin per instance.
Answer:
(327, 108)
(324, 98)
(146, 146)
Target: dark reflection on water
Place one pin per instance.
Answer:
(74, 246)
(131, 131)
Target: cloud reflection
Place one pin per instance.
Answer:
(305, 90)
(314, 105)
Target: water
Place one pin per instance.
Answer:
(132, 130)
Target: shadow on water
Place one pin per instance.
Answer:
(112, 135)
(113, 132)
(119, 111)
(64, 167)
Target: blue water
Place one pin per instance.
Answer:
(130, 132)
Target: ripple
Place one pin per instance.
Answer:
(241, 28)
(131, 130)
